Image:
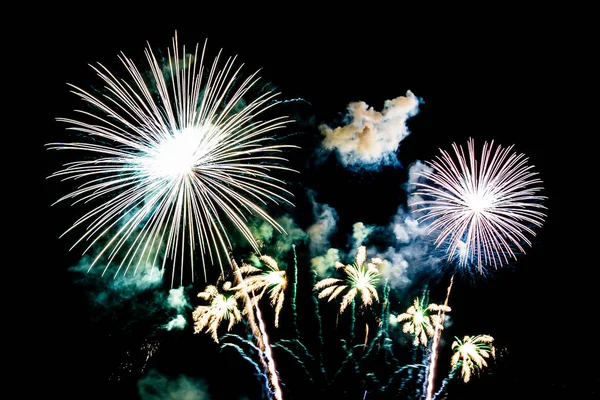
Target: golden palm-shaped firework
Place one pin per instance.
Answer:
(223, 306)
(471, 352)
(419, 321)
(360, 277)
(270, 278)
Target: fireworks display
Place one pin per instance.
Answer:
(360, 278)
(420, 322)
(481, 208)
(169, 158)
(270, 278)
(470, 354)
(178, 166)
(223, 306)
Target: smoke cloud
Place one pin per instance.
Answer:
(359, 233)
(415, 172)
(178, 301)
(278, 244)
(370, 138)
(405, 227)
(324, 264)
(179, 322)
(139, 293)
(403, 245)
(413, 251)
(320, 231)
(155, 386)
(109, 291)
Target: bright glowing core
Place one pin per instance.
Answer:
(478, 202)
(419, 318)
(275, 278)
(177, 154)
(467, 348)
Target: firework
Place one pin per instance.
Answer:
(272, 370)
(321, 344)
(258, 329)
(172, 158)
(419, 321)
(223, 306)
(471, 352)
(384, 321)
(483, 209)
(293, 294)
(436, 342)
(263, 379)
(360, 277)
(270, 278)
(295, 358)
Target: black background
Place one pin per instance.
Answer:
(492, 76)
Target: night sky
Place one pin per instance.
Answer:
(475, 79)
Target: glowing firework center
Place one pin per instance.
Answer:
(177, 155)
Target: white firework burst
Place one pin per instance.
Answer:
(483, 209)
(171, 156)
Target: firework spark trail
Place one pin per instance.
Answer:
(319, 326)
(349, 358)
(297, 344)
(409, 375)
(273, 377)
(247, 303)
(151, 347)
(295, 357)
(242, 340)
(390, 357)
(352, 321)
(259, 374)
(372, 380)
(397, 373)
(257, 330)
(435, 345)
(421, 377)
(382, 333)
(385, 309)
(293, 295)
(175, 158)
(483, 209)
(445, 382)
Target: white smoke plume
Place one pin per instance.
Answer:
(179, 322)
(415, 171)
(371, 138)
(178, 301)
(326, 263)
(325, 224)
(413, 251)
(394, 268)
(405, 226)
(360, 232)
